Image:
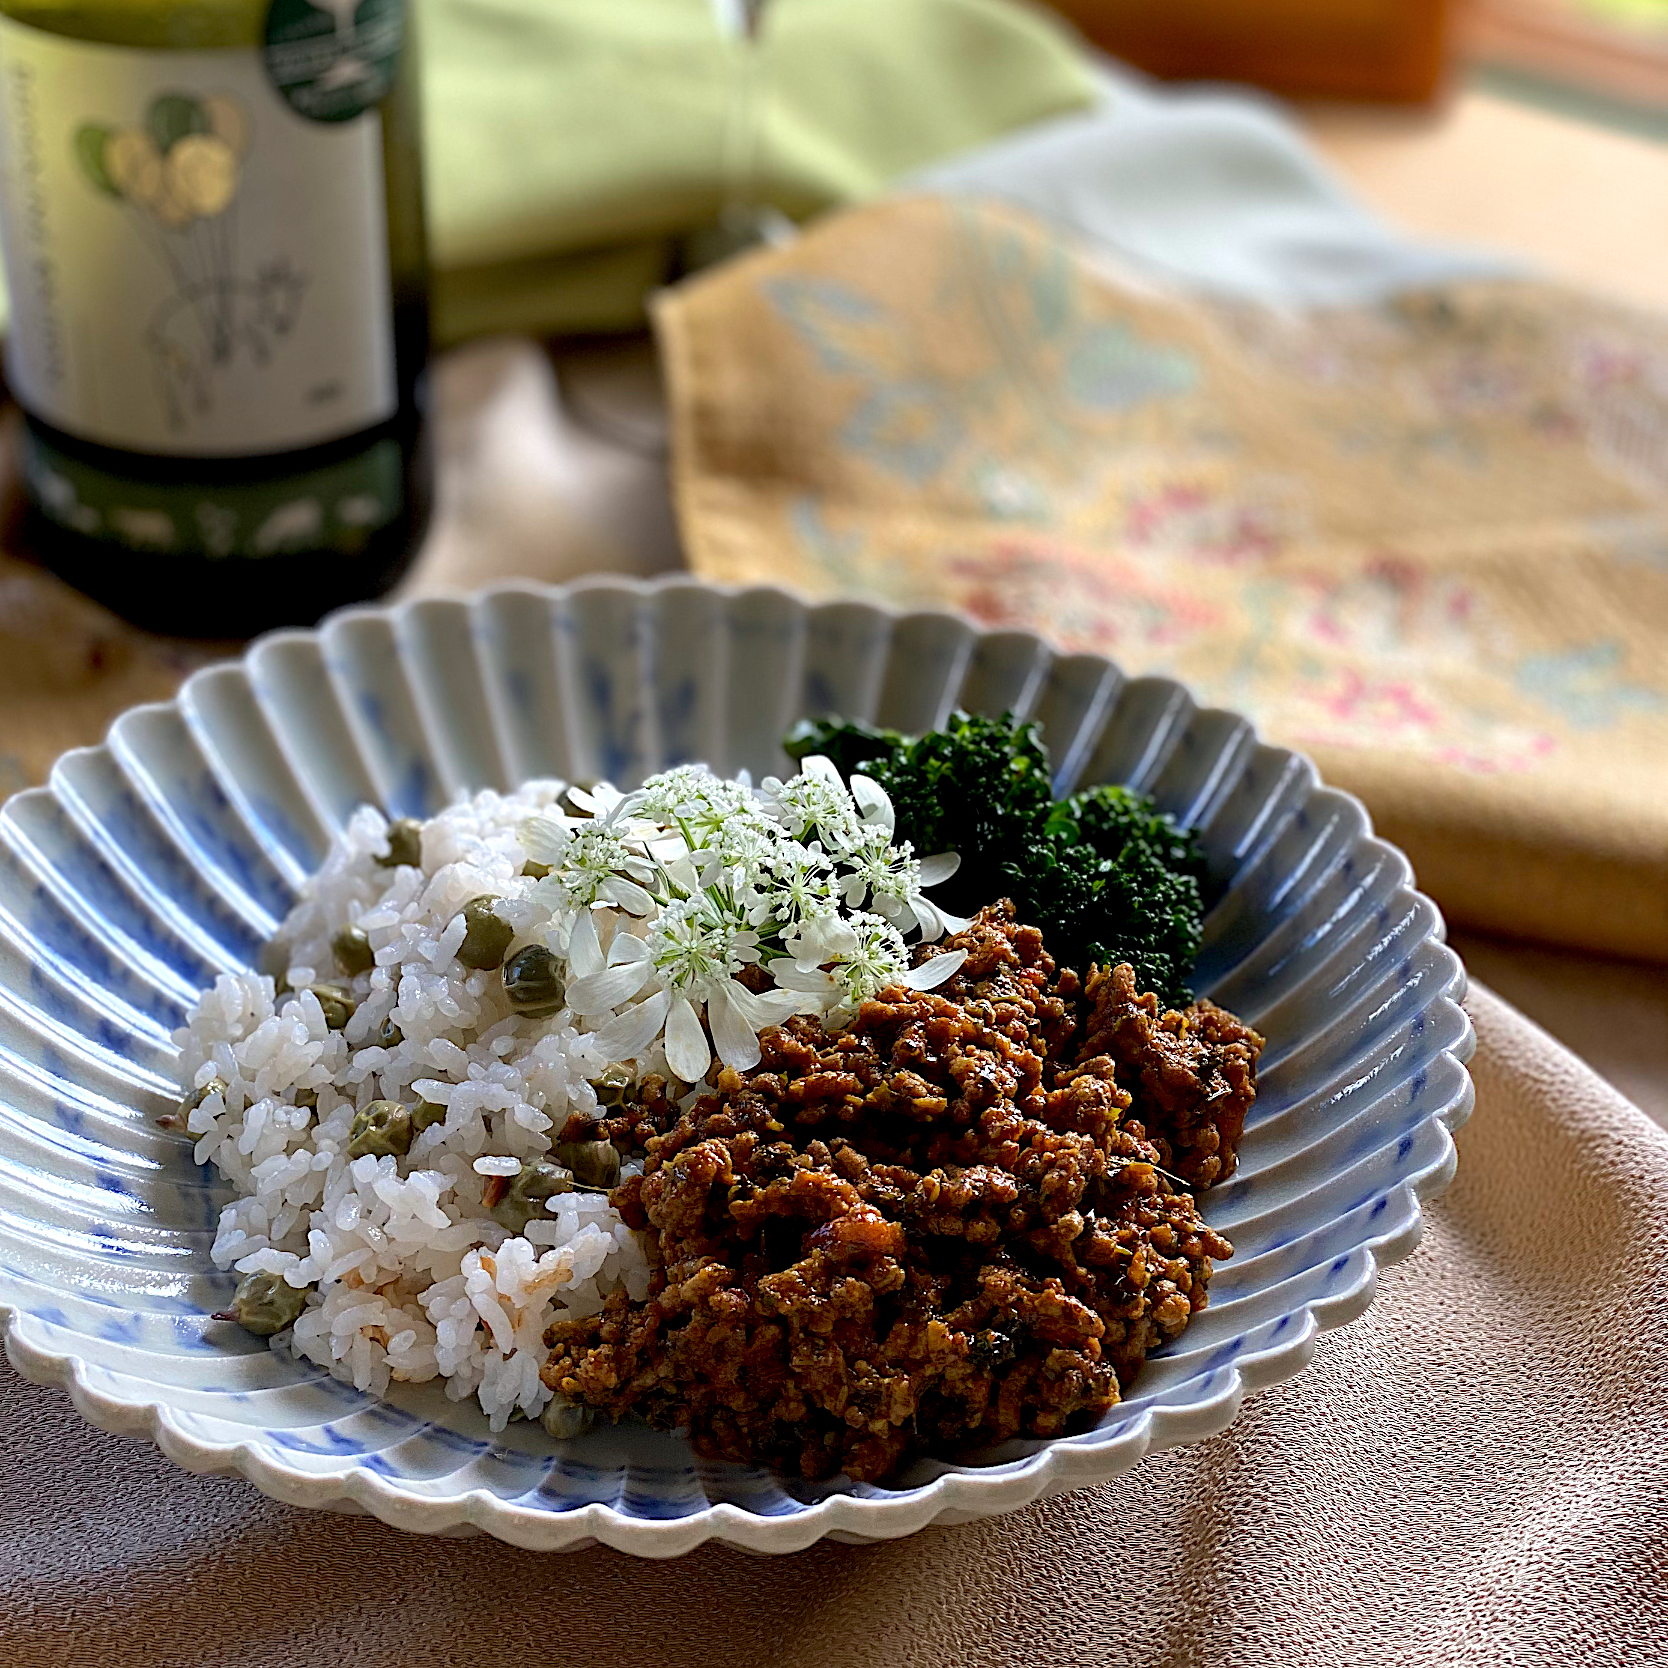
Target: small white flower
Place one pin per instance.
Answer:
(932, 919)
(693, 945)
(875, 959)
(822, 939)
(598, 866)
(801, 884)
(935, 922)
(812, 805)
(692, 798)
(802, 877)
(886, 874)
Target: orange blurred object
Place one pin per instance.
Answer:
(1379, 49)
(1563, 43)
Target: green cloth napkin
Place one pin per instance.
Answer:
(571, 142)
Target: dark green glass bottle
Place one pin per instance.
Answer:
(212, 220)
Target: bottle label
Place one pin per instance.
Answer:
(335, 506)
(196, 243)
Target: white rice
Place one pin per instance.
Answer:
(414, 1280)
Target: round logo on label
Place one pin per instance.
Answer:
(333, 60)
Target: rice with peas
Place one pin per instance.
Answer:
(671, 923)
(414, 1278)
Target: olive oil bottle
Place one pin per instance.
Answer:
(212, 223)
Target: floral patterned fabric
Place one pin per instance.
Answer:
(1425, 541)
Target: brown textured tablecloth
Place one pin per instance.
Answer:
(1471, 1474)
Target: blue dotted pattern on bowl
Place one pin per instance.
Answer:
(151, 862)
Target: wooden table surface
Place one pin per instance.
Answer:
(1579, 201)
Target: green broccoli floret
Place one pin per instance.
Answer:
(979, 786)
(1149, 880)
(849, 745)
(1104, 874)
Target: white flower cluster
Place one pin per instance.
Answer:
(670, 894)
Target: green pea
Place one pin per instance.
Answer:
(382, 1128)
(593, 1163)
(353, 952)
(536, 1181)
(535, 871)
(533, 982)
(405, 844)
(565, 1419)
(485, 937)
(612, 1085)
(176, 1120)
(337, 1005)
(214, 1086)
(308, 1098)
(266, 1303)
(428, 1114)
(389, 1035)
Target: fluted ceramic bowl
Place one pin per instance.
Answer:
(151, 863)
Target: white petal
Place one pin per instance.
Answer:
(627, 894)
(683, 873)
(608, 989)
(621, 807)
(768, 1007)
(894, 910)
(928, 918)
(806, 981)
(667, 848)
(627, 946)
(936, 870)
(549, 895)
(830, 939)
(736, 1041)
(627, 1035)
(585, 948)
(544, 839)
(874, 802)
(931, 974)
(820, 766)
(686, 1042)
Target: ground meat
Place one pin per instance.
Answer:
(934, 1229)
(1192, 1074)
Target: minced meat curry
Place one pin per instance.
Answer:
(967, 1217)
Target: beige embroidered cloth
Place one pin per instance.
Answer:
(1472, 1474)
(1425, 541)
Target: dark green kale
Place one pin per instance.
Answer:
(1104, 874)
